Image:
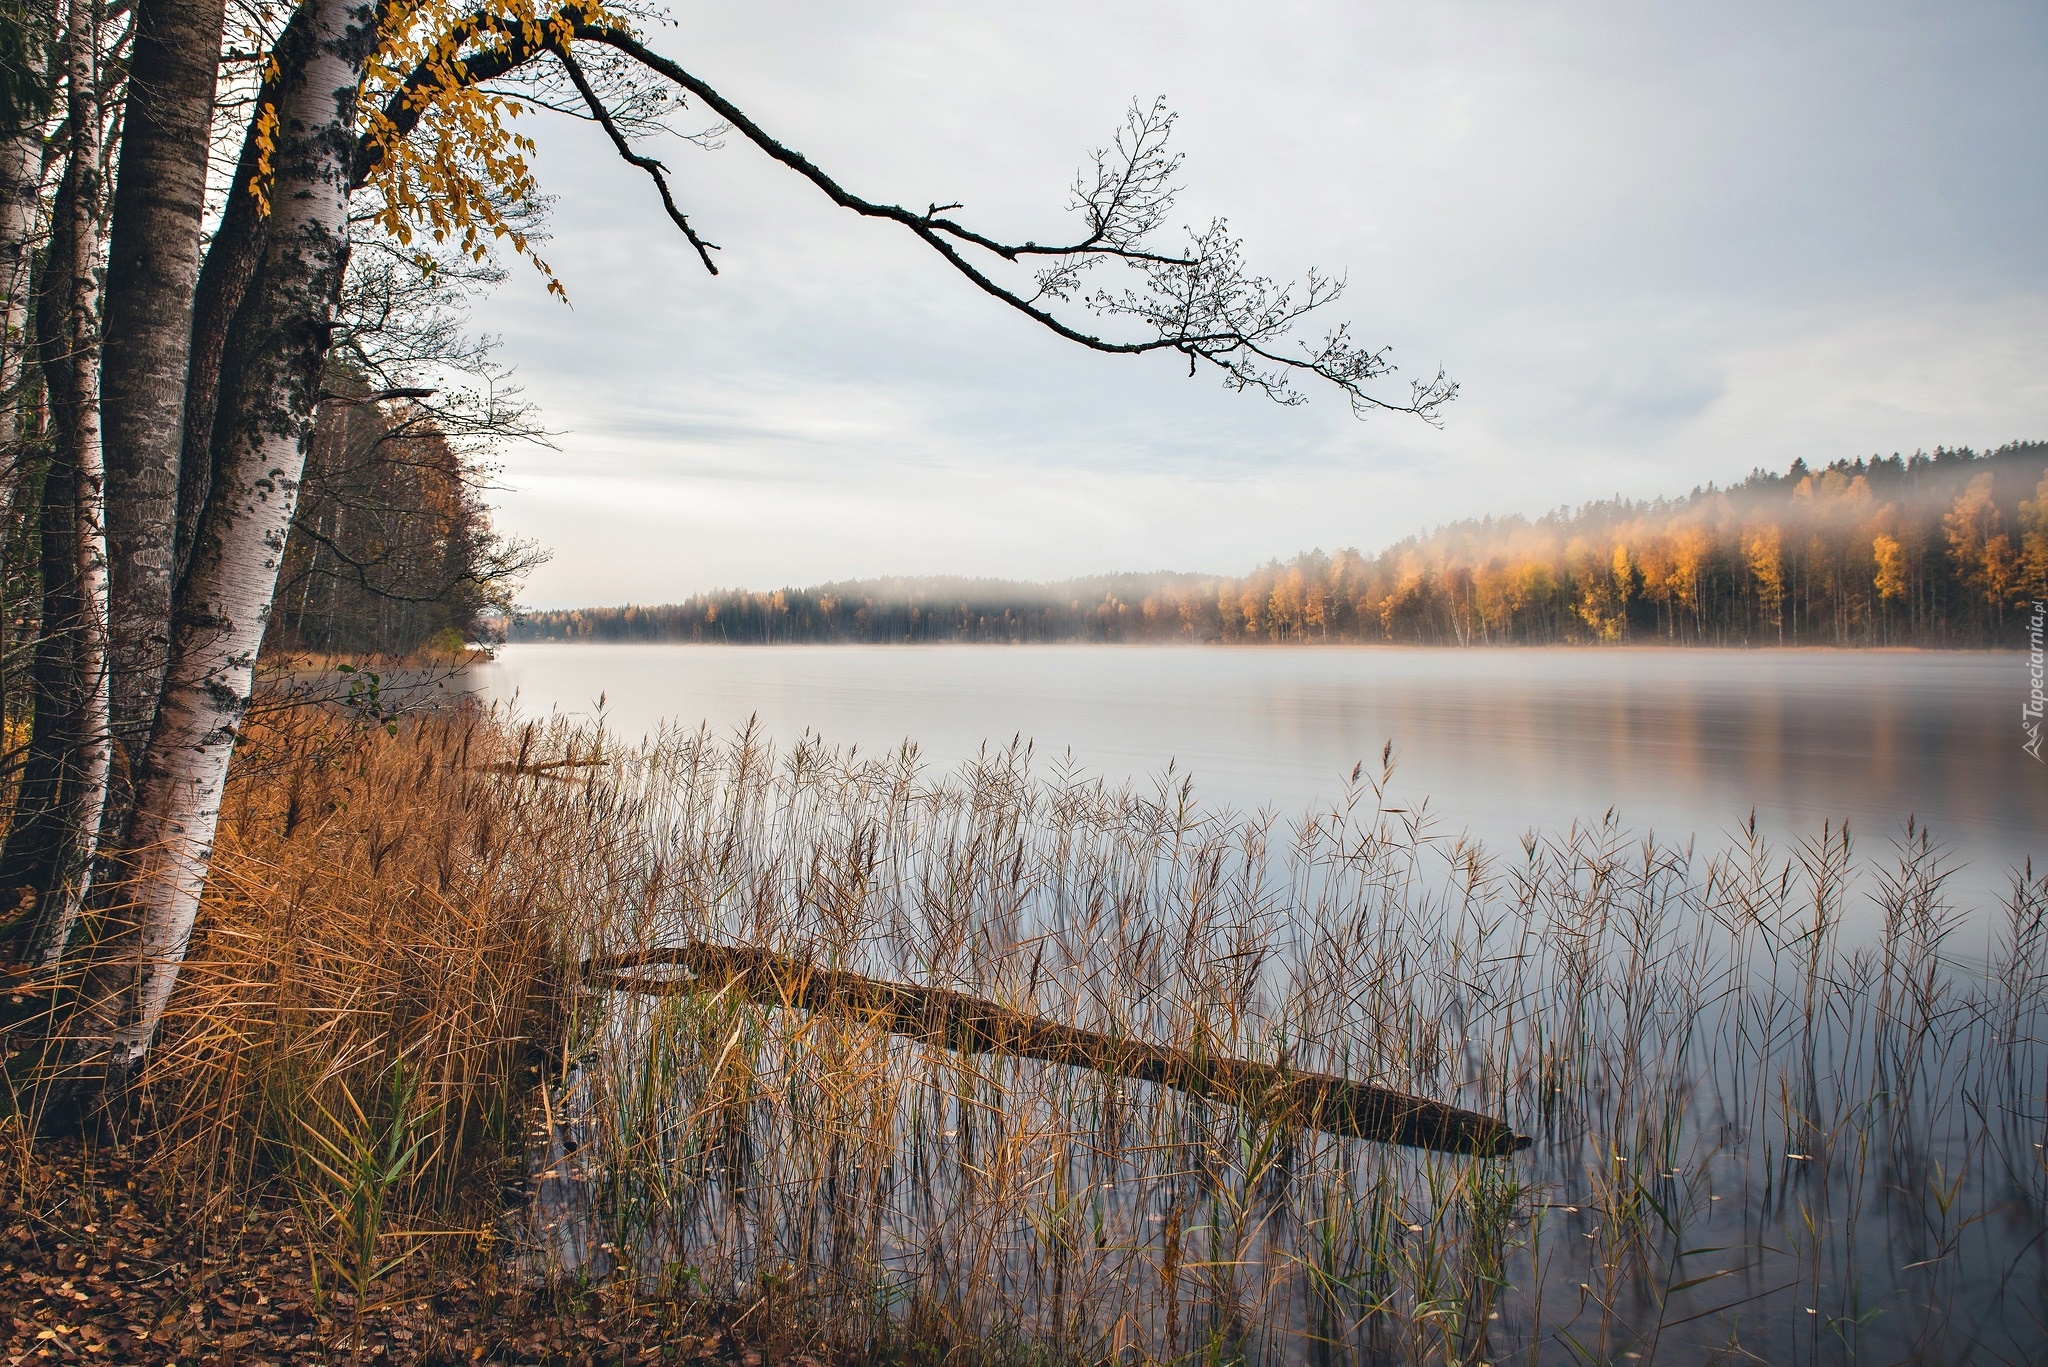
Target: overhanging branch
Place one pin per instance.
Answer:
(1203, 303)
(654, 169)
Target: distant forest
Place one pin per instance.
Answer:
(1943, 549)
(391, 549)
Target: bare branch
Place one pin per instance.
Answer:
(1202, 303)
(654, 169)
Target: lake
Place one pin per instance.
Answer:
(1497, 743)
(1760, 1112)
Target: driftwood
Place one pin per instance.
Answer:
(954, 1020)
(547, 768)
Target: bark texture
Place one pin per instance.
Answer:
(78, 430)
(152, 271)
(231, 261)
(21, 177)
(271, 373)
(954, 1020)
(21, 167)
(37, 822)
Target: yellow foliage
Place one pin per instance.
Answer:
(462, 166)
(459, 175)
(2034, 539)
(1891, 568)
(1985, 557)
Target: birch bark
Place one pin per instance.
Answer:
(38, 824)
(20, 201)
(20, 208)
(72, 367)
(270, 381)
(81, 433)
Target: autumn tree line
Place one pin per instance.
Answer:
(392, 551)
(1941, 549)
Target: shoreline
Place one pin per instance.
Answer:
(1410, 647)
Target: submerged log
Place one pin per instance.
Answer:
(955, 1020)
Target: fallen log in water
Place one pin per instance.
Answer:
(954, 1020)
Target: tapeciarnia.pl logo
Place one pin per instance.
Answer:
(2030, 712)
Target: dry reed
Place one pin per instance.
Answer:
(1789, 1106)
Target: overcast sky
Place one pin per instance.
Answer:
(1657, 245)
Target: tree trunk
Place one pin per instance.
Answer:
(21, 168)
(32, 857)
(21, 179)
(951, 1020)
(231, 262)
(271, 374)
(35, 845)
(79, 431)
(152, 271)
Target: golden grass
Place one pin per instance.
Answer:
(374, 903)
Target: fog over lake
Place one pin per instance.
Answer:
(1497, 742)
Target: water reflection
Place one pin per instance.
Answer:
(1757, 1137)
(1499, 742)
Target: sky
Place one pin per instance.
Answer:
(1655, 245)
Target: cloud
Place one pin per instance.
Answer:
(1657, 247)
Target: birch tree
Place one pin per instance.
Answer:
(57, 808)
(78, 431)
(279, 343)
(20, 208)
(24, 106)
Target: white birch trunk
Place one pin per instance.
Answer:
(279, 347)
(92, 758)
(20, 199)
(23, 168)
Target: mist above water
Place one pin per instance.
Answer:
(1491, 744)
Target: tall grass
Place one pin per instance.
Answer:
(1789, 1104)
(378, 954)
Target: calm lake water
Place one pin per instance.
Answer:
(1497, 742)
